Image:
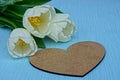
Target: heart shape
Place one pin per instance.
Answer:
(78, 60)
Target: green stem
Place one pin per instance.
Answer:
(7, 21)
(19, 15)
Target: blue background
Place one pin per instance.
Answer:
(96, 20)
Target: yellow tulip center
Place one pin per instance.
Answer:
(35, 21)
(21, 42)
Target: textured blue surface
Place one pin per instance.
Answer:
(96, 20)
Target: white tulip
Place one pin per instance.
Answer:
(21, 43)
(37, 20)
(61, 28)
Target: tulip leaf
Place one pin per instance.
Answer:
(2, 9)
(58, 11)
(4, 3)
(11, 20)
(14, 13)
(2, 24)
(8, 22)
(29, 3)
(5, 25)
(17, 10)
(39, 42)
(10, 15)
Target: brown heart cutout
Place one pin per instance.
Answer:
(78, 60)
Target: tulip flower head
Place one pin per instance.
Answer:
(21, 43)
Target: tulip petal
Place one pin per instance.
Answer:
(60, 17)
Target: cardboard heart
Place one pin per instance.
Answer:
(78, 60)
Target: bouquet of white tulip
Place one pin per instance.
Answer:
(30, 23)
